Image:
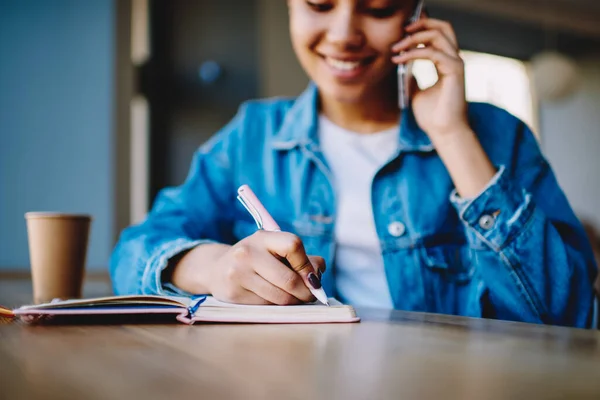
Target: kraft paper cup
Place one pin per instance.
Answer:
(57, 250)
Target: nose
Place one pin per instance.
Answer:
(344, 30)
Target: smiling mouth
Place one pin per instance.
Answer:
(347, 65)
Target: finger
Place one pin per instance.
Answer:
(433, 38)
(319, 264)
(274, 271)
(430, 23)
(445, 65)
(242, 296)
(290, 247)
(269, 292)
(250, 298)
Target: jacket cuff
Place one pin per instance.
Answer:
(159, 260)
(497, 214)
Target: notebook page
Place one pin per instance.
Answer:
(212, 310)
(113, 300)
(212, 302)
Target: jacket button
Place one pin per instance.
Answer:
(486, 222)
(396, 229)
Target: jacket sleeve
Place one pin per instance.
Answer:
(528, 246)
(197, 212)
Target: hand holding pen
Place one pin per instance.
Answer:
(267, 267)
(252, 271)
(300, 263)
(263, 268)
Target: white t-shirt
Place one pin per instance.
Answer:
(354, 159)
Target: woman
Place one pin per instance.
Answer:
(447, 207)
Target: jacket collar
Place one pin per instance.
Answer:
(299, 127)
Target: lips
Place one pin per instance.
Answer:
(347, 67)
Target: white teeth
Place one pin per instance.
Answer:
(342, 65)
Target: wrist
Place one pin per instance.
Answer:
(466, 161)
(452, 137)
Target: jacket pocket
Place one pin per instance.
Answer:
(452, 262)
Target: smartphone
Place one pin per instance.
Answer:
(405, 70)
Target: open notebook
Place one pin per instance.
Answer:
(200, 309)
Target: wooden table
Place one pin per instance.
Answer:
(389, 355)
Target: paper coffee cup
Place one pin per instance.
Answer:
(57, 250)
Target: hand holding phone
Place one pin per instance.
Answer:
(442, 108)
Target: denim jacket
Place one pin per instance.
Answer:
(516, 251)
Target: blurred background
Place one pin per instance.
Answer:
(103, 102)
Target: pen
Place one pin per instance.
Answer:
(265, 222)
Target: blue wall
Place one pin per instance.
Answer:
(56, 97)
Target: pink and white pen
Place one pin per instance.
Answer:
(264, 221)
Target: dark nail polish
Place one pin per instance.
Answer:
(319, 274)
(314, 280)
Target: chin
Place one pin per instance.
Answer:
(343, 93)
